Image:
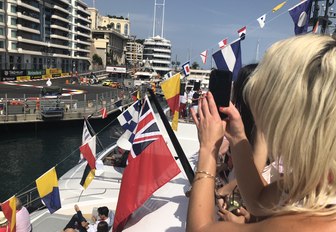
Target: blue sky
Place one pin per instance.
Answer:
(196, 25)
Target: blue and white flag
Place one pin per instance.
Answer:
(229, 58)
(300, 14)
(186, 68)
(129, 121)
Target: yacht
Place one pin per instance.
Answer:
(146, 74)
(165, 210)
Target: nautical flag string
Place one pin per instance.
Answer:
(261, 20)
(300, 14)
(204, 56)
(222, 43)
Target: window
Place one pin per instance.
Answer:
(126, 29)
(2, 44)
(14, 46)
(1, 5)
(2, 31)
(14, 34)
(118, 27)
(1, 18)
(13, 9)
(13, 21)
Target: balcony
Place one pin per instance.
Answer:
(84, 19)
(83, 26)
(30, 41)
(64, 1)
(61, 9)
(82, 34)
(60, 28)
(60, 18)
(30, 7)
(83, 42)
(81, 9)
(24, 28)
(54, 36)
(28, 18)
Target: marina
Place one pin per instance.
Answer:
(81, 96)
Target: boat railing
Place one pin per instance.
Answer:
(31, 200)
(31, 108)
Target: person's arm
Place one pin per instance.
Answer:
(255, 194)
(201, 211)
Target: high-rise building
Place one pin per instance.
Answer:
(40, 34)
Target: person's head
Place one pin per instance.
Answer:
(238, 99)
(102, 227)
(18, 204)
(103, 212)
(292, 96)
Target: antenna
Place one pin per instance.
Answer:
(162, 21)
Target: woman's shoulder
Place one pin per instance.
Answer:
(296, 222)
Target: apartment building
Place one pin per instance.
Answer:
(134, 52)
(40, 34)
(110, 35)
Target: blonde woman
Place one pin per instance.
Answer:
(292, 96)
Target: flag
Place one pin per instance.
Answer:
(242, 33)
(229, 58)
(171, 91)
(47, 187)
(204, 56)
(129, 120)
(88, 176)
(89, 152)
(222, 43)
(300, 14)
(135, 95)
(168, 75)
(261, 20)
(186, 68)
(103, 112)
(150, 166)
(86, 136)
(279, 6)
(9, 209)
(315, 29)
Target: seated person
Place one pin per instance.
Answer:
(80, 223)
(22, 218)
(102, 227)
(3, 223)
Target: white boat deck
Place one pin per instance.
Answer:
(166, 210)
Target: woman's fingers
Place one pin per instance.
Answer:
(194, 116)
(212, 104)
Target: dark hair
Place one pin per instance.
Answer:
(238, 99)
(102, 226)
(103, 211)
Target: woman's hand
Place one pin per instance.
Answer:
(243, 216)
(209, 124)
(235, 128)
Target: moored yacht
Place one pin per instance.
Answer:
(165, 210)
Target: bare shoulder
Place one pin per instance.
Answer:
(297, 223)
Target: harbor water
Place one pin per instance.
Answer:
(25, 154)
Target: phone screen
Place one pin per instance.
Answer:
(220, 86)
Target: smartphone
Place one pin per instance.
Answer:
(220, 86)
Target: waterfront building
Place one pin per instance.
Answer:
(198, 75)
(36, 34)
(158, 51)
(134, 52)
(110, 35)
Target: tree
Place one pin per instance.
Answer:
(195, 65)
(96, 59)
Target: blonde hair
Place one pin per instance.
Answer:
(292, 96)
